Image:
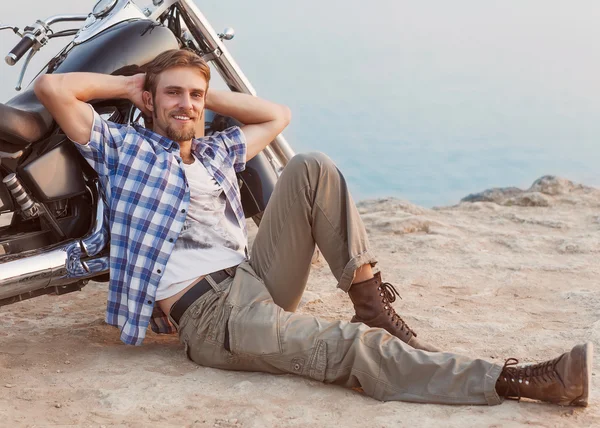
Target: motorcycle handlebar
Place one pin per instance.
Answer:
(20, 49)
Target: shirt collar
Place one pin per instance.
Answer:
(168, 144)
(199, 147)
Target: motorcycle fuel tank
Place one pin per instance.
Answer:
(121, 49)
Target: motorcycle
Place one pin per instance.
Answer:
(51, 204)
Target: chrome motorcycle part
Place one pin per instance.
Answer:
(30, 55)
(201, 29)
(26, 43)
(14, 29)
(35, 272)
(103, 7)
(65, 18)
(124, 10)
(96, 227)
(227, 34)
(34, 38)
(23, 199)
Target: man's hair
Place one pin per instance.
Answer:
(174, 58)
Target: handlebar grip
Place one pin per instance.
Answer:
(20, 49)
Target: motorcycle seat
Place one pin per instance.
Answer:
(24, 120)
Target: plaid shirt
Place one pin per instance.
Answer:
(147, 197)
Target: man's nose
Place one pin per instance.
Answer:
(185, 101)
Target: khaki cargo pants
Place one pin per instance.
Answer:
(247, 321)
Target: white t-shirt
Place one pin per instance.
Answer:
(211, 238)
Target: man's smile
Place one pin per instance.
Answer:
(182, 117)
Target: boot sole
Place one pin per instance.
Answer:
(582, 400)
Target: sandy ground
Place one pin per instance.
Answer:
(516, 277)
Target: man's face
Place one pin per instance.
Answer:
(178, 103)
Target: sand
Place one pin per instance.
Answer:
(512, 274)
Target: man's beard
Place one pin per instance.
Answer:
(178, 135)
(184, 134)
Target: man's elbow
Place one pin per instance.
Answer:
(286, 115)
(43, 87)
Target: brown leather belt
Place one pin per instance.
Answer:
(194, 293)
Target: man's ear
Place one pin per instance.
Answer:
(148, 101)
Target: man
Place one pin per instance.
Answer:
(178, 242)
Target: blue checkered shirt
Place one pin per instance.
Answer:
(147, 197)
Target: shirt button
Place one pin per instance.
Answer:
(183, 211)
(158, 271)
(149, 302)
(170, 239)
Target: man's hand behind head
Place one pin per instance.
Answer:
(136, 90)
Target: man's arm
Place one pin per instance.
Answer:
(263, 120)
(65, 97)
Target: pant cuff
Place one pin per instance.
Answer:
(350, 269)
(489, 385)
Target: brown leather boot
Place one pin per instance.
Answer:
(373, 305)
(564, 380)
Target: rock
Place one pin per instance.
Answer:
(541, 193)
(406, 225)
(569, 247)
(8, 385)
(551, 185)
(58, 405)
(497, 195)
(390, 205)
(528, 199)
(509, 196)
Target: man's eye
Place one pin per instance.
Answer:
(172, 92)
(197, 95)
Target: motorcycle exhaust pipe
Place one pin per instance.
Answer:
(37, 269)
(48, 269)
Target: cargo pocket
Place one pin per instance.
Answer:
(318, 361)
(255, 330)
(183, 339)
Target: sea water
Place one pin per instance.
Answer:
(426, 101)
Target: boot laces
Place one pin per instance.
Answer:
(533, 374)
(388, 293)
